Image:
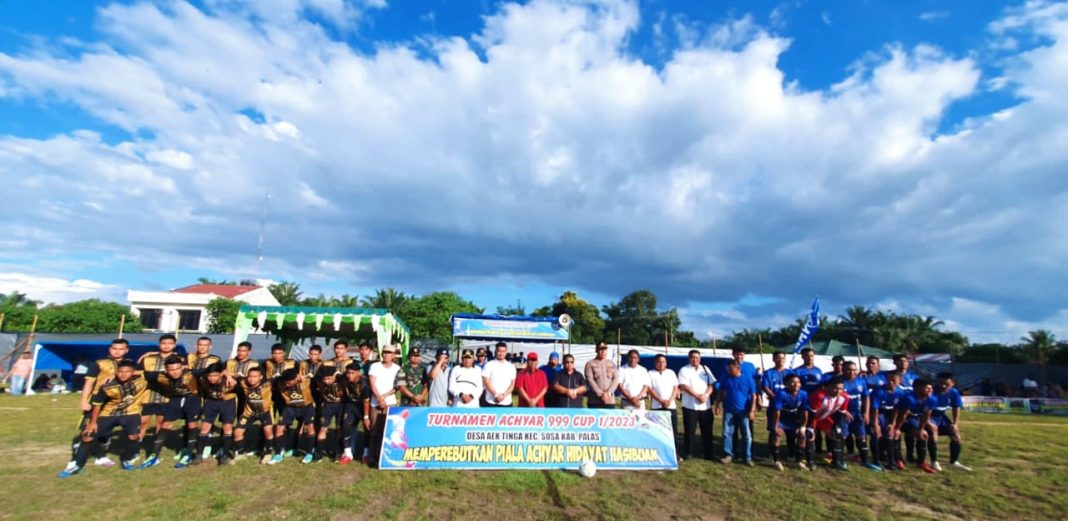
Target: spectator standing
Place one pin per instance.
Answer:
(438, 374)
(20, 373)
(498, 378)
(663, 391)
(633, 382)
(550, 369)
(569, 385)
(696, 384)
(531, 384)
(602, 379)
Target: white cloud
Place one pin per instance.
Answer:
(57, 290)
(542, 148)
(933, 16)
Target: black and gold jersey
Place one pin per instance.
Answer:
(101, 370)
(119, 399)
(339, 365)
(220, 391)
(256, 399)
(330, 393)
(154, 363)
(296, 395)
(239, 368)
(184, 385)
(272, 369)
(309, 369)
(355, 392)
(200, 363)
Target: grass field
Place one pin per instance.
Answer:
(1021, 472)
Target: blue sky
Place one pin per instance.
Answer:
(737, 158)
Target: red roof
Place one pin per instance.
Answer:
(218, 289)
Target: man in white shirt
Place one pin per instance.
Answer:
(498, 377)
(382, 380)
(465, 382)
(633, 382)
(696, 385)
(663, 391)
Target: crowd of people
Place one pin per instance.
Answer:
(336, 407)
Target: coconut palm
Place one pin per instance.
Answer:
(387, 298)
(1039, 345)
(286, 293)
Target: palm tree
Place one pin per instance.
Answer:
(1039, 345)
(347, 301)
(15, 299)
(286, 293)
(387, 298)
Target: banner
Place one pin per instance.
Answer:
(520, 438)
(1053, 406)
(518, 330)
(984, 404)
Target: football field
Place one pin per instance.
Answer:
(1020, 472)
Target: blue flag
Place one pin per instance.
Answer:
(811, 326)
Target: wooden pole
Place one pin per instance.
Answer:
(860, 354)
(665, 341)
(1, 321)
(619, 341)
(713, 345)
(122, 324)
(25, 348)
(760, 347)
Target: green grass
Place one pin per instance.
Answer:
(1020, 461)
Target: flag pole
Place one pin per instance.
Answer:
(122, 324)
(713, 335)
(760, 346)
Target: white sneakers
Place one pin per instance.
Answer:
(960, 466)
(936, 465)
(779, 467)
(104, 462)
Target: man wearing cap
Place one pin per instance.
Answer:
(465, 382)
(480, 358)
(382, 380)
(438, 375)
(633, 382)
(550, 369)
(602, 379)
(412, 380)
(498, 377)
(531, 384)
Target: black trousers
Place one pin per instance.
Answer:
(691, 420)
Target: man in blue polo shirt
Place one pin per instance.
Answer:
(737, 398)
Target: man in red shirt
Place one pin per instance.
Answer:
(531, 384)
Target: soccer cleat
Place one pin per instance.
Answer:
(183, 462)
(266, 459)
(873, 466)
(104, 462)
(178, 455)
(70, 471)
(239, 456)
(275, 459)
(345, 460)
(960, 466)
(130, 465)
(152, 461)
(927, 468)
(801, 465)
(900, 465)
(206, 453)
(366, 459)
(308, 458)
(779, 467)
(287, 453)
(749, 463)
(726, 460)
(225, 460)
(935, 465)
(841, 465)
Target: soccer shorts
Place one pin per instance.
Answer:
(330, 412)
(857, 428)
(884, 422)
(183, 408)
(912, 424)
(223, 410)
(248, 420)
(154, 409)
(130, 423)
(836, 423)
(305, 414)
(944, 425)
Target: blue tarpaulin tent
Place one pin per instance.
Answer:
(64, 357)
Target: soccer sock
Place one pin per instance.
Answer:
(954, 451)
(191, 441)
(849, 443)
(101, 448)
(157, 445)
(810, 454)
(862, 448)
(910, 446)
(932, 449)
(279, 444)
(130, 452)
(791, 447)
(305, 443)
(81, 454)
(819, 441)
(74, 444)
(319, 443)
(348, 432)
(227, 444)
(202, 441)
(921, 452)
(836, 449)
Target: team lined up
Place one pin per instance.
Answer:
(307, 398)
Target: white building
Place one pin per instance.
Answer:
(183, 309)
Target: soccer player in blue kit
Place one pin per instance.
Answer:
(884, 402)
(811, 381)
(901, 365)
(771, 382)
(789, 419)
(859, 406)
(946, 418)
(914, 417)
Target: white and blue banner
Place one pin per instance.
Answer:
(519, 329)
(419, 438)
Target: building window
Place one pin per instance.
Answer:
(189, 319)
(150, 317)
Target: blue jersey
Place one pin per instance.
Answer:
(907, 380)
(857, 389)
(790, 407)
(827, 376)
(948, 401)
(875, 381)
(916, 406)
(737, 393)
(811, 377)
(886, 401)
(774, 379)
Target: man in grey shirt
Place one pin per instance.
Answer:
(438, 374)
(602, 379)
